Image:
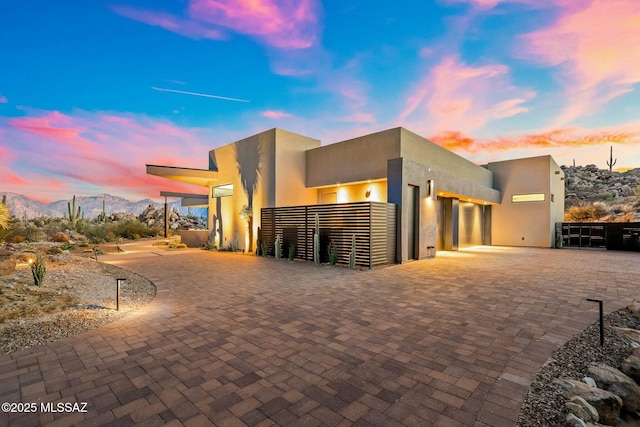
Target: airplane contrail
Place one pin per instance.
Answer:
(161, 89)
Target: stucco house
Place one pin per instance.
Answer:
(400, 196)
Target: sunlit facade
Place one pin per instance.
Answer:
(444, 202)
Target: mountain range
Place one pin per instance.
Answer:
(24, 207)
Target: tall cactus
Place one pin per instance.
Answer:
(352, 254)
(74, 214)
(103, 215)
(277, 247)
(611, 162)
(316, 241)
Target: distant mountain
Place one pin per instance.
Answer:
(22, 206)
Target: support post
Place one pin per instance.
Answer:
(166, 218)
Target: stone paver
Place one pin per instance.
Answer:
(248, 341)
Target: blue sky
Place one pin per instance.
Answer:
(91, 91)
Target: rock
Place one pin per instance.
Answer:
(631, 335)
(631, 366)
(582, 409)
(574, 421)
(611, 379)
(590, 381)
(634, 308)
(606, 403)
(7, 265)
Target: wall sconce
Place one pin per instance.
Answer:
(367, 193)
(431, 189)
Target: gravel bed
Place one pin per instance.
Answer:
(91, 284)
(544, 404)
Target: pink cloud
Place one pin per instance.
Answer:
(595, 47)
(271, 114)
(3, 99)
(103, 151)
(282, 24)
(564, 144)
(454, 95)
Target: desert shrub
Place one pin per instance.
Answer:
(585, 213)
(96, 233)
(605, 196)
(67, 246)
(129, 229)
(181, 246)
(38, 269)
(16, 239)
(637, 191)
(54, 250)
(59, 237)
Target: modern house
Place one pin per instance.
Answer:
(395, 194)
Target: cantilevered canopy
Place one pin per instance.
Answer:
(203, 177)
(188, 199)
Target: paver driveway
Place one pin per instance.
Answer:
(241, 340)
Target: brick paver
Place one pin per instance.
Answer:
(240, 340)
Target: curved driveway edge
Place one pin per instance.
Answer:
(242, 340)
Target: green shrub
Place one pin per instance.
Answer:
(333, 253)
(54, 250)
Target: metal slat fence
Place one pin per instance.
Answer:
(373, 224)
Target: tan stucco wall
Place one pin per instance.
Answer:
(290, 167)
(359, 159)
(421, 150)
(280, 182)
(526, 223)
(356, 192)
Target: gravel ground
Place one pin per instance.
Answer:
(544, 405)
(89, 284)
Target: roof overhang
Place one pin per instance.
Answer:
(202, 177)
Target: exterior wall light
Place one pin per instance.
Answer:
(431, 189)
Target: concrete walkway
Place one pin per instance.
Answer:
(235, 340)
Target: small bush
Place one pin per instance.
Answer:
(16, 239)
(59, 237)
(54, 250)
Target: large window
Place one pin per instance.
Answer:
(531, 197)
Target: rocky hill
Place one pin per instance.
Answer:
(25, 207)
(617, 194)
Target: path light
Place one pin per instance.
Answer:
(118, 293)
(599, 301)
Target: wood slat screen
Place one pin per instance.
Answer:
(372, 223)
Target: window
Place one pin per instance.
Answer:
(531, 197)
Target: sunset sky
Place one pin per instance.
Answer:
(91, 91)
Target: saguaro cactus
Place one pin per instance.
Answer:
(611, 162)
(74, 215)
(316, 241)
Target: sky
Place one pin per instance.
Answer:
(91, 91)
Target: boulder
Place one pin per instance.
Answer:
(614, 381)
(630, 335)
(631, 367)
(582, 409)
(606, 403)
(574, 421)
(634, 308)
